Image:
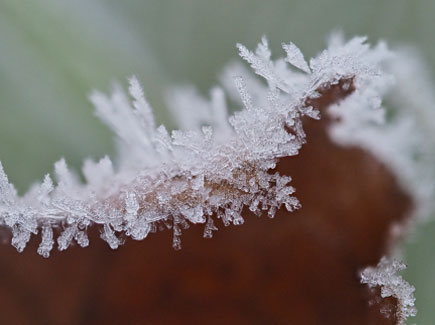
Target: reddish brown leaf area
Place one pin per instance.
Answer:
(299, 268)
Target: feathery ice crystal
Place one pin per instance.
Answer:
(204, 173)
(392, 285)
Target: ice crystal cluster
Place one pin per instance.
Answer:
(402, 132)
(215, 165)
(385, 276)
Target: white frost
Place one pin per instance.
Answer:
(209, 170)
(295, 57)
(394, 119)
(385, 276)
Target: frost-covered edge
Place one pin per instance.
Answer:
(164, 180)
(391, 284)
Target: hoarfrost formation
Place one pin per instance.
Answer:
(205, 173)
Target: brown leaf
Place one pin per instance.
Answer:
(299, 268)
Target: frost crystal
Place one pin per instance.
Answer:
(385, 276)
(211, 169)
(47, 241)
(295, 57)
(402, 135)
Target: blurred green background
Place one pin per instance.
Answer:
(53, 53)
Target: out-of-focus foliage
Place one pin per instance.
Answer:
(54, 52)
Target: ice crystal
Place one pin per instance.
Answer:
(404, 140)
(295, 57)
(211, 169)
(385, 276)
